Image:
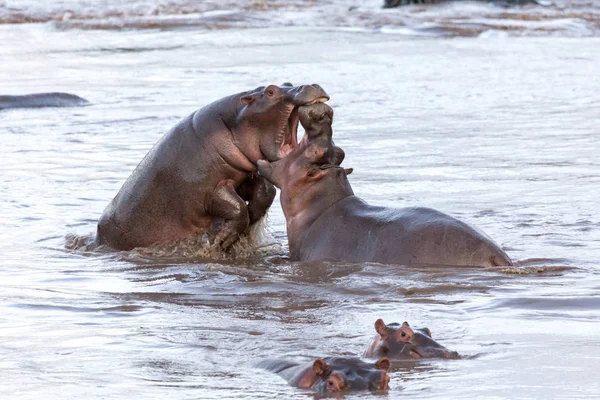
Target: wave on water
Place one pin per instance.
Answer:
(454, 18)
(258, 241)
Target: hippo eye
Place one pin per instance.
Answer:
(403, 334)
(270, 92)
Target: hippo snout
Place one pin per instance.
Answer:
(319, 113)
(308, 94)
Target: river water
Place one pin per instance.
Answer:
(498, 130)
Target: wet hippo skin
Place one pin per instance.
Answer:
(326, 221)
(333, 374)
(203, 171)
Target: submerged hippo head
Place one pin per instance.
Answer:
(401, 341)
(271, 115)
(337, 374)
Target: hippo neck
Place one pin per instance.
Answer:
(307, 208)
(224, 145)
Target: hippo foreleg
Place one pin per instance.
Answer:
(227, 204)
(259, 193)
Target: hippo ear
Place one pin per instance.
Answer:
(381, 328)
(383, 364)
(427, 332)
(320, 368)
(405, 324)
(247, 99)
(348, 171)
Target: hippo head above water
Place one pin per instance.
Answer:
(301, 174)
(333, 374)
(402, 342)
(272, 113)
(338, 374)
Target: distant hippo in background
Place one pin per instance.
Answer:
(333, 374)
(39, 100)
(203, 171)
(326, 221)
(397, 3)
(396, 341)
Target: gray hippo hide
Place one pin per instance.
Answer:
(326, 221)
(202, 173)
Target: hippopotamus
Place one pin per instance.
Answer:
(202, 173)
(397, 3)
(333, 374)
(38, 100)
(398, 342)
(326, 221)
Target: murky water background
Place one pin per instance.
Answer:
(501, 132)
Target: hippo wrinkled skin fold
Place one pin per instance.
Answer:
(333, 374)
(202, 173)
(326, 221)
(398, 342)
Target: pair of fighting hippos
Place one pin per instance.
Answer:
(336, 374)
(214, 173)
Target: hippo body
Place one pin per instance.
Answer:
(332, 374)
(39, 100)
(326, 221)
(352, 230)
(202, 173)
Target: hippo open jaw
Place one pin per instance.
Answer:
(289, 131)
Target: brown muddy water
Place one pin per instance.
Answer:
(500, 132)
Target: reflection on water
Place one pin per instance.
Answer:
(501, 133)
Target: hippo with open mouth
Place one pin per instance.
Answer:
(202, 173)
(333, 374)
(396, 341)
(326, 221)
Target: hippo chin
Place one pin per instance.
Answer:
(399, 342)
(326, 221)
(39, 100)
(333, 374)
(202, 173)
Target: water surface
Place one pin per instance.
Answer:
(500, 132)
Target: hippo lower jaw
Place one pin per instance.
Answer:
(288, 135)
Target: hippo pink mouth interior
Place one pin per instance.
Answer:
(289, 134)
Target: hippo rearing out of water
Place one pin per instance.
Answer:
(202, 172)
(326, 221)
